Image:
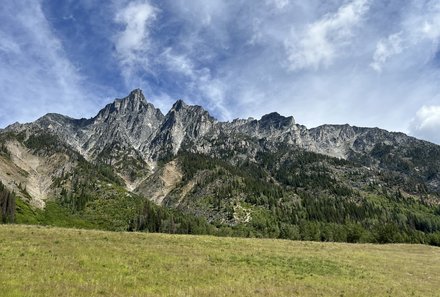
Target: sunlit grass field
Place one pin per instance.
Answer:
(41, 261)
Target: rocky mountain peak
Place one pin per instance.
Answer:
(277, 120)
(136, 93)
(134, 102)
(133, 105)
(179, 105)
(187, 114)
(182, 124)
(53, 117)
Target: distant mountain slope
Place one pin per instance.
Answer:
(268, 177)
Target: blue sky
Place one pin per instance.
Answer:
(363, 62)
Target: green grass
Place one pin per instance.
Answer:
(43, 261)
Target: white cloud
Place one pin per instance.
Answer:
(234, 59)
(426, 123)
(279, 4)
(215, 90)
(385, 49)
(36, 75)
(132, 42)
(420, 30)
(162, 101)
(430, 29)
(178, 63)
(427, 25)
(201, 13)
(320, 43)
(234, 65)
(231, 58)
(8, 45)
(201, 83)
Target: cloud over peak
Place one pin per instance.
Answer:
(362, 62)
(132, 41)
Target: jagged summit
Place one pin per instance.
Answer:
(178, 105)
(135, 102)
(135, 98)
(136, 93)
(274, 118)
(134, 125)
(181, 106)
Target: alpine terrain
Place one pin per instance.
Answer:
(133, 168)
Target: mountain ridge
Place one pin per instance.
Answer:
(138, 98)
(137, 126)
(267, 175)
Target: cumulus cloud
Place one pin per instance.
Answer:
(321, 42)
(426, 123)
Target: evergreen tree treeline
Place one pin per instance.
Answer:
(7, 205)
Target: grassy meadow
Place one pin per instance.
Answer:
(42, 261)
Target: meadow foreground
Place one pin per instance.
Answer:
(41, 261)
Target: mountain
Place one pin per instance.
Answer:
(133, 168)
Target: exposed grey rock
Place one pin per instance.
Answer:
(182, 124)
(133, 129)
